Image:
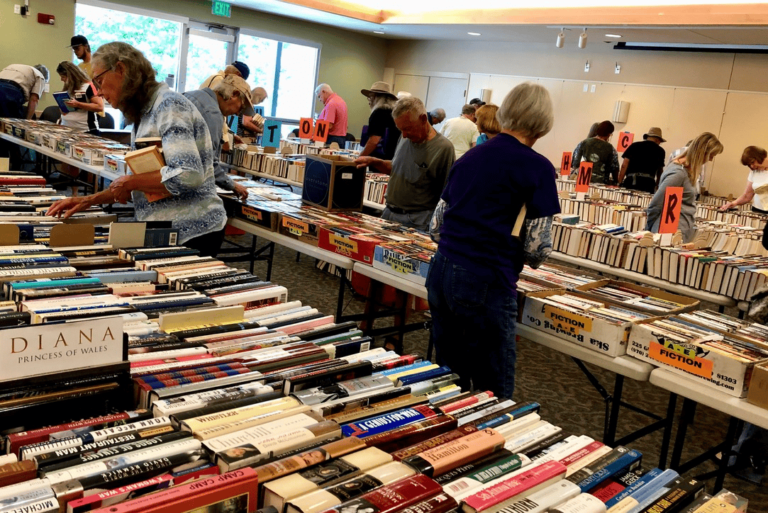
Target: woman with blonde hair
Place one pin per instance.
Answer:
(683, 172)
(486, 122)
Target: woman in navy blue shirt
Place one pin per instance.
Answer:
(472, 279)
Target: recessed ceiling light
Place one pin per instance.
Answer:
(474, 33)
(612, 35)
(378, 32)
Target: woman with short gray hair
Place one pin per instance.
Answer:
(472, 279)
(183, 191)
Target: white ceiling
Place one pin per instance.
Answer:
(515, 33)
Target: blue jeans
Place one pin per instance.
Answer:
(419, 220)
(473, 327)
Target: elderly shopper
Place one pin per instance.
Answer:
(684, 172)
(126, 79)
(335, 113)
(473, 276)
(226, 97)
(383, 134)
(756, 159)
(419, 168)
(462, 131)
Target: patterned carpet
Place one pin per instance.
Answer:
(568, 400)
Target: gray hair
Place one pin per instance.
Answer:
(468, 109)
(409, 104)
(382, 101)
(43, 71)
(223, 89)
(323, 87)
(437, 113)
(527, 109)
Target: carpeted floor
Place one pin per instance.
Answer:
(543, 375)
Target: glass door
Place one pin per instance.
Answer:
(208, 52)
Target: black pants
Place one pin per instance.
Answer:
(759, 211)
(208, 244)
(11, 106)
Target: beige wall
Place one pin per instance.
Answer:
(683, 93)
(349, 61)
(25, 41)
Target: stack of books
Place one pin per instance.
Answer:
(376, 187)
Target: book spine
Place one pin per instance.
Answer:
(628, 461)
(433, 442)
(632, 488)
(388, 421)
(584, 503)
(444, 458)
(119, 494)
(412, 433)
(678, 496)
(483, 476)
(306, 459)
(395, 497)
(601, 463)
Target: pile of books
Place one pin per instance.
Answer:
(735, 217)
(704, 345)
(608, 193)
(82, 146)
(376, 187)
(630, 216)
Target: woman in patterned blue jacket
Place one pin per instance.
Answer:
(126, 79)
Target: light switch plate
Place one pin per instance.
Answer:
(17, 9)
(592, 89)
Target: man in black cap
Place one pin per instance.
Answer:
(476, 103)
(82, 49)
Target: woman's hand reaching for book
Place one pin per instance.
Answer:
(69, 206)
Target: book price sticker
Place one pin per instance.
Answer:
(625, 141)
(272, 133)
(565, 163)
(696, 366)
(567, 322)
(670, 214)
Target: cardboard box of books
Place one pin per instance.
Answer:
(716, 364)
(333, 183)
(114, 164)
(303, 226)
(758, 386)
(407, 261)
(50, 140)
(350, 240)
(658, 302)
(90, 154)
(599, 333)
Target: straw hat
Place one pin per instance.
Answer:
(654, 131)
(379, 88)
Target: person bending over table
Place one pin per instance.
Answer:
(419, 168)
(126, 79)
(472, 280)
(684, 172)
(755, 159)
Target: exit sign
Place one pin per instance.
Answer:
(221, 8)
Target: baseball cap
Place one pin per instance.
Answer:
(245, 92)
(243, 68)
(77, 41)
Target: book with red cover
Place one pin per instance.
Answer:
(393, 497)
(464, 403)
(435, 441)
(442, 503)
(119, 494)
(581, 453)
(411, 434)
(527, 482)
(233, 491)
(15, 441)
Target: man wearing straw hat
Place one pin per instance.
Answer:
(643, 162)
(382, 131)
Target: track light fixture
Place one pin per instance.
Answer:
(560, 39)
(583, 39)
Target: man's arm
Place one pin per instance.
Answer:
(250, 125)
(33, 99)
(373, 141)
(623, 171)
(382, 166)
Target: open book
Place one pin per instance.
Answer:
(147, 160)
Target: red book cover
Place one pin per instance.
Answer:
(412, 433)
(581, 453)
(398, 362)
(233, 491)
(393, 497)
(442, 503)
(435, 441)
(15, 441)
(607, 490)
(469, 401)
(120, 494)
(527, 481)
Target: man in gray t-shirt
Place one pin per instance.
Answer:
(418, 170)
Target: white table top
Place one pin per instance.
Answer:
(695, 390)
(302, 247)
(645, 280)
(96, 170)
(263, 175)
(624, 365)
(390, 279)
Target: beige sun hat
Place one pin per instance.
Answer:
(654, 131)
(379, 88)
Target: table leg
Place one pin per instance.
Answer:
(689, 409)
(342, 286)
(253, 253)
(733, 429)
(618, 387)
(721, 309)
(269, 261)
(669, 422)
